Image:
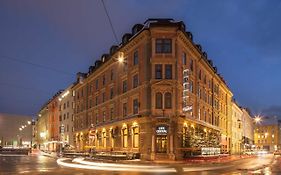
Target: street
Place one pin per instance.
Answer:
(266, 164)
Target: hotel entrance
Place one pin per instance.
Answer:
(161, 144)
(161, 139)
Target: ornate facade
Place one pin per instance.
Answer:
(164, 100)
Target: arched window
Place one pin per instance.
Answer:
(136, 137)
(159, 100)
(168, 100)
(125, 137)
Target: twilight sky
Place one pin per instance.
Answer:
(43, 44)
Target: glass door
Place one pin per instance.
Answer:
(161, 144)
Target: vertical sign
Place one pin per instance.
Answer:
(185, 93)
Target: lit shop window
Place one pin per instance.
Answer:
(136, 137)
(104, 138)
(125, 137)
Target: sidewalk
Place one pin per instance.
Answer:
(219, 159)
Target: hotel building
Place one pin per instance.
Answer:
(156, 94)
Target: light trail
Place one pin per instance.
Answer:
(108, 168)
(206, 168)
(82, 161)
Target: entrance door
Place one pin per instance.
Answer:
(161, 144)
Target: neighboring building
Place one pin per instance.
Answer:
(47, 125)
(15, 130)
(66, 117)
(267, 137)
(166, 100)
(42, 135)
(236, 129)
(248, 130)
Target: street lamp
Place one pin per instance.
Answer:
(257, 119)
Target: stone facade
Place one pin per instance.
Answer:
(165, 100)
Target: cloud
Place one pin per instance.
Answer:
(272, 111)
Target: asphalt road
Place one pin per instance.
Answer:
(31, 165)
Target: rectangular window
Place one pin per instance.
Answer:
(168, 71)
(97, 84)
(90, 103)
(125, 65)
(111, 113)
(67, 104)
(191, 65)
(97, 118)
(191, 86)
(135, 106)
(135, 81)
(125, 86)
(111, 75)
(97, 100)
(103, 80)
(124, 109)
(103, 97)
(103, 116)
(163, 46)
(111, 92)
(136, 58)
(158, 71)
(184, 58)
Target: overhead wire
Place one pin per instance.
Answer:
(110, 22)
(35, 64)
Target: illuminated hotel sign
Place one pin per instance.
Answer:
(185, 95)
(161, 130)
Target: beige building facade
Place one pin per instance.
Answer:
(248, 130)
(66, 117)
(267, 137)
(236, 129)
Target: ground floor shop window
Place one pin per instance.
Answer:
(104, 139)
(136, 137)
(125, 137)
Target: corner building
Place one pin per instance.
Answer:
(165, 100)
